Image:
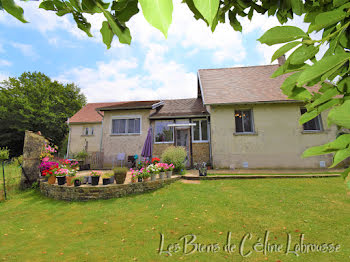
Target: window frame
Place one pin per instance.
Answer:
(90, 131)
(320, 123)
(154, 133)
(252, 121)
(200, 130)
(126, 117)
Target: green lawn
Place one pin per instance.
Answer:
(34, 228)
(12, 178)
(278, 174)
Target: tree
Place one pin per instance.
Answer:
(34, 102)
(331, 72)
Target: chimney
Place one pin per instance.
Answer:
(281, 60)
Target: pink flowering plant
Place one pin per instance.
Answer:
(47, 152)
(144, 173)
(61, 172)
(162, 166)
(96, 173)
(134, 174)
(170, 167)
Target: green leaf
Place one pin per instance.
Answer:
(284, 49)
(125, 9)
(287, 68)
(340, 156)
(302, 53)
(47, 5)
(300, 93)
(342, 142)
(345, 173)
(325, 97)
(297, 7)
(289, 84)
(107, 34)
(82, 23)
(94, 6)
(158, 13)
(282, 34)
(326, 19)
(321, 67)
(123, 34)
(340, 115)
(13, 9)
(234, 22)
(208, 8)
(306, 117)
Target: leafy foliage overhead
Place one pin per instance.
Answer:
(330, 17)
(34, 102)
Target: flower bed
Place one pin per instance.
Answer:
(85, 193)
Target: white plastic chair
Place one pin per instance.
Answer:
(120, 157)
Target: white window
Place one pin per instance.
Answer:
(200, 130)
(163, 133)
(244, 121)
(88, 131)
(314, 124)
(126, 125)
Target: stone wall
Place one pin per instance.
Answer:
(158, 149)
(85, 193)
(200, 152)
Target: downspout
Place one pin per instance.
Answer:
(67, 154)
(210, 151)
(101, 139)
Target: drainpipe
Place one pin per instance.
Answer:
(67, 154)
(101, 140)
(210, 152)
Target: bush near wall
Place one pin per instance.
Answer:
(175, 155)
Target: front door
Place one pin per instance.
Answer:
(183, 139)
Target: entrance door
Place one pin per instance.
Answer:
(183, 139)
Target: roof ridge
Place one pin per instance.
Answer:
(236, 67)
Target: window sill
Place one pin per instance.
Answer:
(203, 141)
(313, 132)
(159, 143)
(125, 134)
(245, 134)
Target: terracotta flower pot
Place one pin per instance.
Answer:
(69, 180)
(51, 180)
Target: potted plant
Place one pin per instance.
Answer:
(154, 171)
(139, 177)
(77, 181)
(110, 175)
(134, 175)
(202, 169)
(81, 157)
(161, 167)
(61, 174)
(70, 176)
(105, 179)
(145, 174)
(169, 170)
(47, 169)
(120, 174)
(95, 177)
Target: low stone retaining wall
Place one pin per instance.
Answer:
(84, 193)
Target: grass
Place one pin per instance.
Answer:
(12, 179)
(35, 228)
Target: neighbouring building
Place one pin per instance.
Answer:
(240, 118)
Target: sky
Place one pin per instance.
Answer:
(152, 67)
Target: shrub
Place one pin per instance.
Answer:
(120, 170)
(4, 153)
(120, 174)
(81, 155)
(176, 156)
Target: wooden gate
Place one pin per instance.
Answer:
(95, 159)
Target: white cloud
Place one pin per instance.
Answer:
(4, 76)
(4, 62)
(26, 50)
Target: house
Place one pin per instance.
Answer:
(240, 118)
